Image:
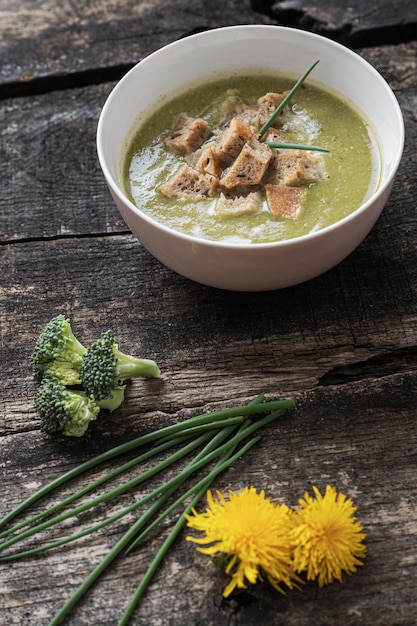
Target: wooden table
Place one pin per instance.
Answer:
(344, 345)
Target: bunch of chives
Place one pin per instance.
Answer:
(220, 435)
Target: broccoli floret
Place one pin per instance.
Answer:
(63, 410)
(58, 353)
(105, 368)
(114, 400)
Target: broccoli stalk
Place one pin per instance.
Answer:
(63, 410)
(58, 353)
(104, 369)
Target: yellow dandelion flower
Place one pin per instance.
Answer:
(328, 538)
(252, 535)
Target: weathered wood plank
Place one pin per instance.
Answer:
(50, 173)
(354, 23)
(358, 437)
(344, 344)
(277, 342)
(60, 38)
(49, 167)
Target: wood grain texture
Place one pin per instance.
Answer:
(343, 345)
(54, 39)
(358, 437)
(352, 23)
(48, 144)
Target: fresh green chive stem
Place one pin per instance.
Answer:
(212, 444)
(181, 478)
(294, 146)
(165, 444)
(101, 567)
(94, 575)
(93, 485)
(160, 555)
(220, 466)
(123, 542)
(285, 101)
(173, 458)
(190, 469)
(174, 429)
(219, 433)
(88, 531)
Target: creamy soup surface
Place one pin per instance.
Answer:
(314, 117)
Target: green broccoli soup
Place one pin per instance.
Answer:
(203, 164)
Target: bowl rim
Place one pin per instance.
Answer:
(248, 246)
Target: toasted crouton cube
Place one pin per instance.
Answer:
(285, 202)
(268, 104)
(188, 183)
(235, 206)
(250, 116)
(208, 161)
(232, 105)
(249, 167)
(294, 167)
(188, 134)
(232, 141)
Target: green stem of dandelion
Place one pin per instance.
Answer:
(285, 101)
(168, 431)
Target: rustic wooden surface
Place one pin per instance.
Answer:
(355, 23)
(343, 345)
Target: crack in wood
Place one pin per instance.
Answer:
(59, 82)
(387, 23)
(378, 366)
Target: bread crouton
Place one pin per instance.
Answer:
(238, 205)
(232, 105)
(188, 134)
(250, 116)
(188, 183)
(208, 161)
(285, 202)
(249, 166)
(294, 168)
(232, 140)
(268, 104)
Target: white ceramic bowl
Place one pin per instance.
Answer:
(250, 267)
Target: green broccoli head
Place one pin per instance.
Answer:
(104, 368)
(58, 353)
(63, 410)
